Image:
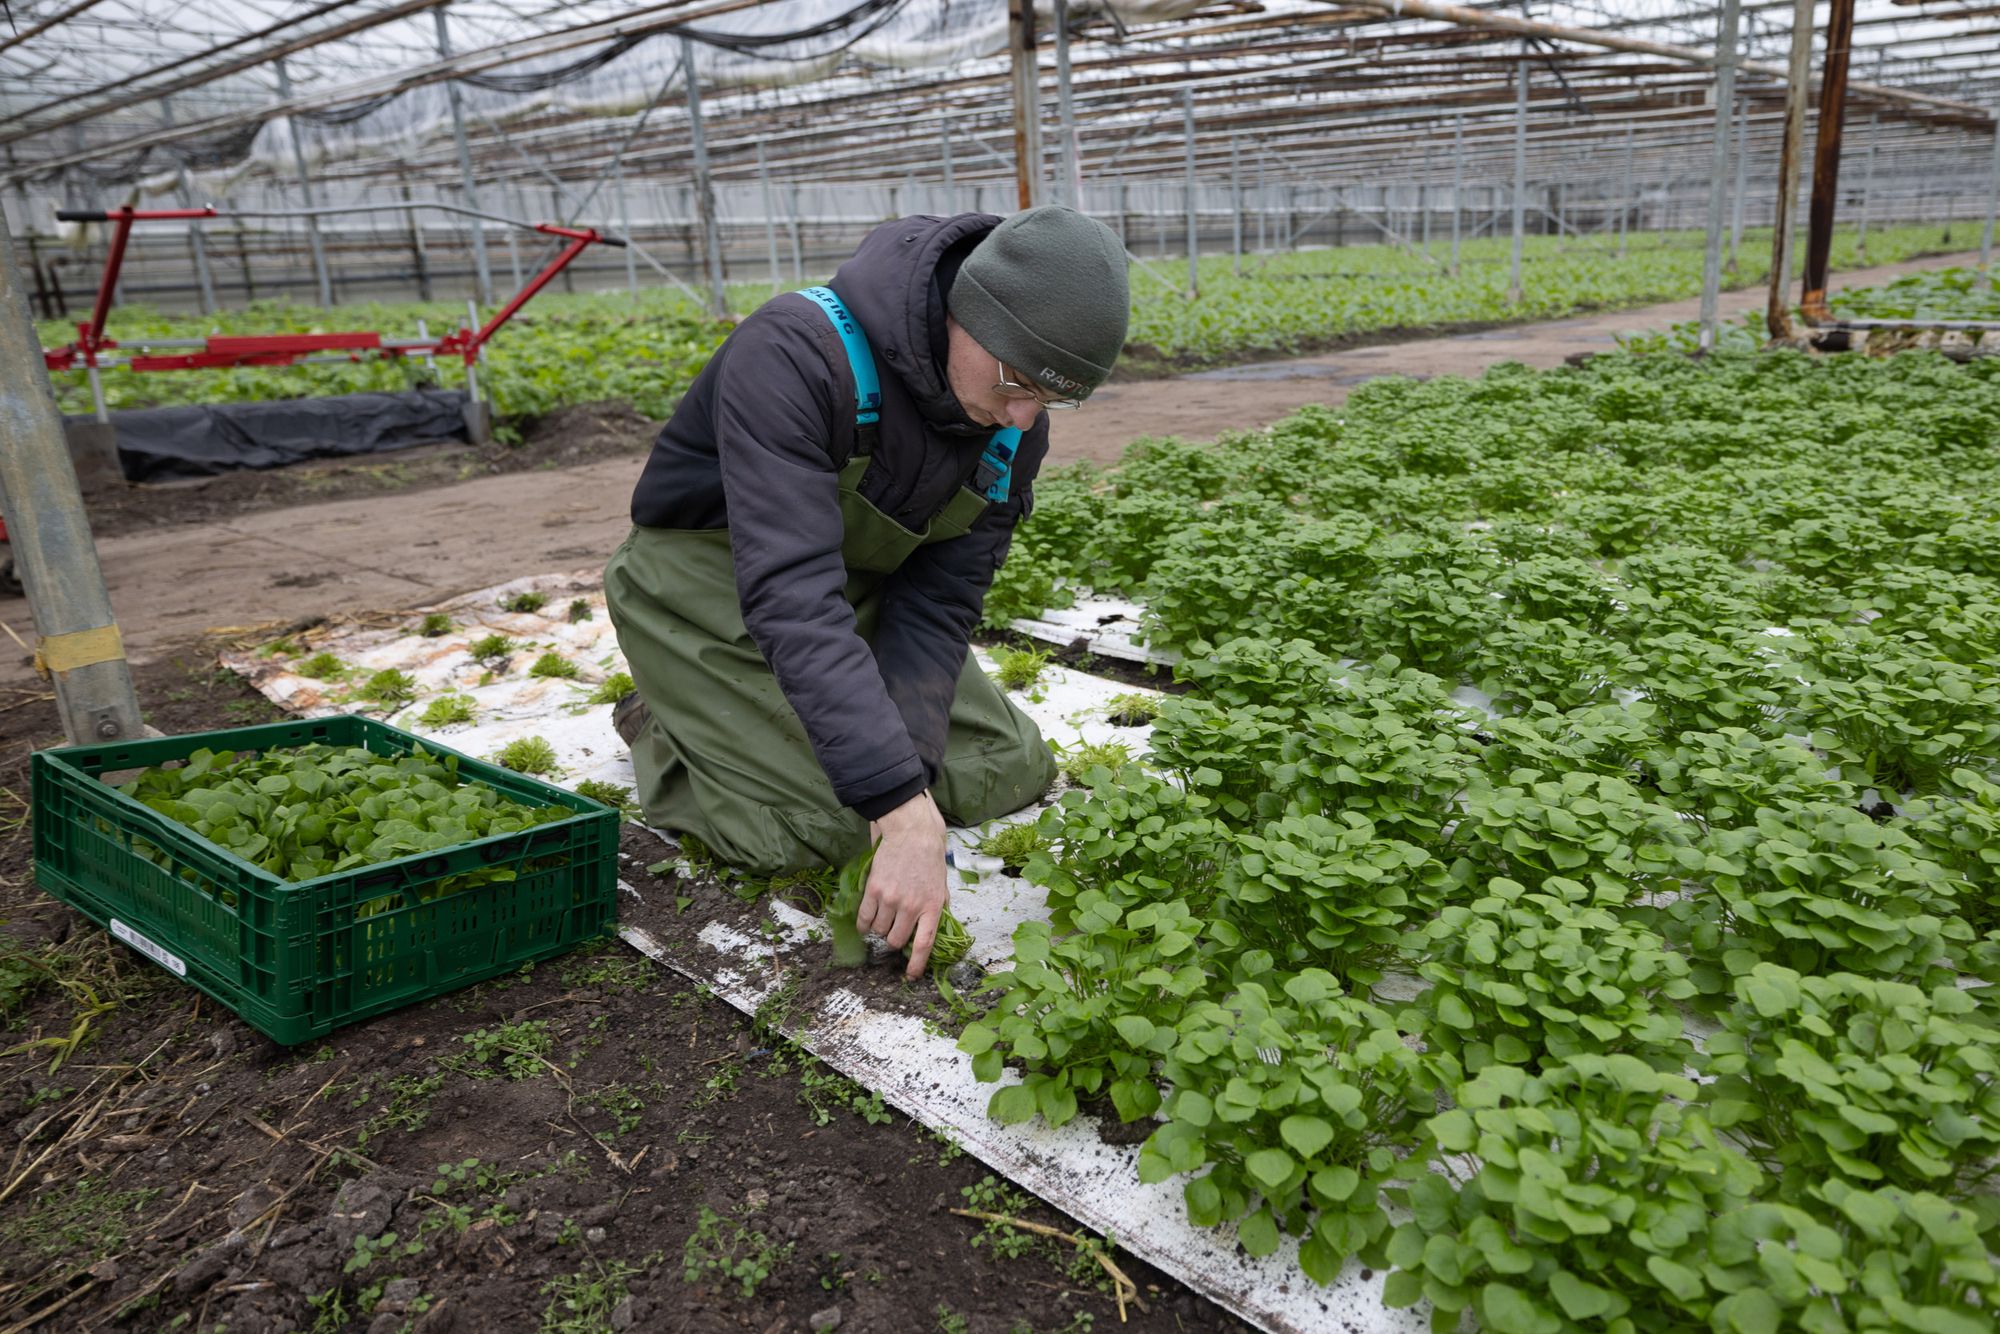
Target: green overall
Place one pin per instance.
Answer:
(725, 758)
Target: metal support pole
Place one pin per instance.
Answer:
(944, 146)
(711, 233)
(1027, 102)
(1742, 181)
(1457, 183)
(479, 263)
(50, 535)
(1718, 164)
(1520, 175)
(306, 191)
(1066, 111)
(1424, 201)
(418, 253)
(770, 217)
(197, 242)
(792, 229)
(1236, 205)
(1992, 196)
(1867, 187)
(1193, 220)
(514, 246)
(1625, 195)
(1778, 306)
(625, 226)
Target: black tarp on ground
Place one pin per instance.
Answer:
(162, 444)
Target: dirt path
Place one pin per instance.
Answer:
(407, 549)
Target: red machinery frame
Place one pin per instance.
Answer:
(465, 342)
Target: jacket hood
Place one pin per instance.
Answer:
(889, 286)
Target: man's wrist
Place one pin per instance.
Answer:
(918, 815)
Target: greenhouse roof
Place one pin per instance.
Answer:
(107, 92)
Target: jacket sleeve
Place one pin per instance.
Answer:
(931, 604)
(775, 416)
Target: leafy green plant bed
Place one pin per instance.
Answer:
(571, 348)
(1411, 979)
(1934, 294)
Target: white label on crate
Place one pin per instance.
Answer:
(146, 947)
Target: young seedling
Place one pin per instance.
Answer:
(491, 649)
(322, 666)
(614, 795)
(389, 686)
(1013, 844)
(1132, 710)
(524, 602)
(553, 664)
(1019, 668)
(447, 710)
(579, 611)
(612, 689)
(435, 624)
(529, 755)
(1077, 761)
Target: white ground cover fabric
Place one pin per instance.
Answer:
(920, 1072)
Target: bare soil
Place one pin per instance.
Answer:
(173, 1169)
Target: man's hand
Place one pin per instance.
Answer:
(906, 885)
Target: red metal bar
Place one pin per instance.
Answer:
(90, 336)
(472, 342)
(251, 344)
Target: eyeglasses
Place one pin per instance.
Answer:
(1022, 393)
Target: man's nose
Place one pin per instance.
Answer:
(1022, 412)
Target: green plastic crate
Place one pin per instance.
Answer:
(296, 959)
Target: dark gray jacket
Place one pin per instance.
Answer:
(757, 446)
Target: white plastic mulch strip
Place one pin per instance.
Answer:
(921, 1073)
(1108, 627)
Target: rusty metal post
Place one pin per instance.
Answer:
(1027, 102)
(1778, 307)
(1718, 170)
(1826, 158)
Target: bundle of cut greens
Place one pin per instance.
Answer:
(317, 810)
(851, 951)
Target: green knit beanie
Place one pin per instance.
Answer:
(1045, 292)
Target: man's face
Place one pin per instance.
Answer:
(974, 374)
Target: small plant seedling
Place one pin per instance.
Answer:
(1013, 844)
(612, 689)
(1078, 760)
(283, 647)
(725, 1251)
(528, 755)
(435, 624)
(1019, 668)
(445, 710)
(322, 666)
(389, 686)
(615, 795)
(553, 664)
(1132, 710)
(579, 611)
(491, 649)
(524, 602)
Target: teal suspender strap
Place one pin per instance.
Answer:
(860, 357)
(996, 462)
(996, 465)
